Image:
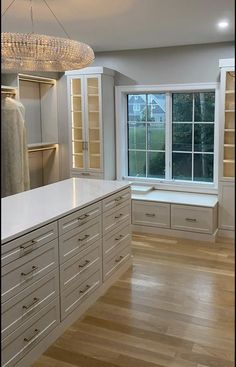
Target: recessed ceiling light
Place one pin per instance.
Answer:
(223, 24)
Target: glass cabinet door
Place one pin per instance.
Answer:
(77, 124)
(94, 123)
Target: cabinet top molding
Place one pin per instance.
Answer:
(31, 209)
(92, 70)
(226, 63)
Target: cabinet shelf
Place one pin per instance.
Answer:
(94, 111)
(229, 130)
(228, 160)
(229, 91)
(93, 95)
(229, 111)
(80, 111)
(229, 145)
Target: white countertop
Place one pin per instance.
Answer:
(28, 210)
(178, 197)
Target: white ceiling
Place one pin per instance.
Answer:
(108, 25)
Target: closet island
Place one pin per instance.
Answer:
(62, 246)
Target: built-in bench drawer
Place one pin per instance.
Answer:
(80, 265)
(112, 263)
(192, 218)
(151, 213)
(116, 217)
(24, 245)
(113, 240)
(19, 343)
(27, 303)
(74, 295)
(79, 218)
(78, 239)
(116, 200)
(21, 274)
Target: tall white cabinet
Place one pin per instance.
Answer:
(91, 122)
(227, 148)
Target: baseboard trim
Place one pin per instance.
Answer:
(225, 233)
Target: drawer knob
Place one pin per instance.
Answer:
(118, 216)
(36, 331)
(31, 271)
(28, 246)
(83, 238)
(118, 238)
(35, 300)
(85, 289)
(84, 216)
(119, 198)
(150, 214)
(85, 263)
(191, 219)
(118, 260)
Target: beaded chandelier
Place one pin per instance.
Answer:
(35, 52)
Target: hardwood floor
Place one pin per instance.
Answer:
(174, 308)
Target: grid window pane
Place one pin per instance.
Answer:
(137, 136)
(156, 136)
(182, 137)
(203, 167)
(182, 166)
(204, 106)
(182, 107)
(156, 107)
(137, 110)
(137, 164)
(204, 137)
(156, 164)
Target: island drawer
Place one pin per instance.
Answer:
(21, 274)
(111, 264)
(79, 218)
(116, 200)
(78, 239)
(80, 265)
(25, 245)
(74, 295)
(116, 217)
(21, 341)
(113, 240)
(27, 303)
(151, 213)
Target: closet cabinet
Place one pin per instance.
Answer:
(227, 147)
(91, 122)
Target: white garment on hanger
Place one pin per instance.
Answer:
(14, 153)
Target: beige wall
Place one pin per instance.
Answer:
(167, 65)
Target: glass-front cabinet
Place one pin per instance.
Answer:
(91, 115)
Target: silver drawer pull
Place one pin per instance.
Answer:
(85, 173)
(150, 214)
(31, 271)
(119, 198)
(83, 238)
(83, 217)
(118, 238)
(191, 219)
(118, 260)
(36, 331)
(86, 262)
(25, 247)
(118, 216)
(35, 300)
(85, 289)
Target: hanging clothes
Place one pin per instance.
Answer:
(14, 153)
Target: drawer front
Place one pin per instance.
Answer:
(151, 213)
(77, 219)
(73, 242)
(73, 296)
(79, 266)
(27, 303)
(23, 246)
(19, 343)
(112, 264)
(116, 200)
(113, 240)
(117, 217)
(23, 274)
(192, 218)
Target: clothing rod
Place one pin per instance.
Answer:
(36, 81)
(40, 149)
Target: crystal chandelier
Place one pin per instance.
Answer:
(35, 52)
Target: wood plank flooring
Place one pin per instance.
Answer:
(174, 308)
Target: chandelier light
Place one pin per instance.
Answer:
(36, 52)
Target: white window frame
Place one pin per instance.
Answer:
(122, 144)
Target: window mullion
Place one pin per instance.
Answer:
(193, 141)
(168, 137)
